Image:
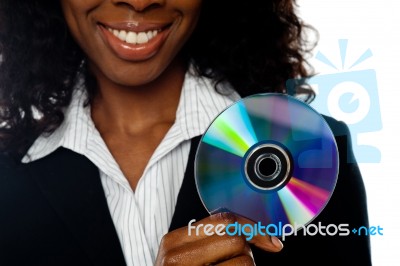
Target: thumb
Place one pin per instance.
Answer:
(262, 241)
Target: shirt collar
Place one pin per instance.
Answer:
(75, 116)
(198, 106)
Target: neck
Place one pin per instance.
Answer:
(123, 109)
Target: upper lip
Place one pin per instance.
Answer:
(136, 26)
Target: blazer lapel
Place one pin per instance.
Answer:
(72, 185)
(189, 205)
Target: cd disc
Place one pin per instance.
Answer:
(270, 158)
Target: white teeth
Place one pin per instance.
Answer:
(134, 37)
(122, 35)
(142, 38)
(131, 37)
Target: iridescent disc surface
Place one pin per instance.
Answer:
(264, 119)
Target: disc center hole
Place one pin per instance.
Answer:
(267, 166)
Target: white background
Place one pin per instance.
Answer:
(371, 25)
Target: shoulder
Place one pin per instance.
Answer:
(339, 128)
(12, 166)
(8, 164)
(343, 140)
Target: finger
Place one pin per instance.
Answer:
(263, 241)
(243, 260)
(215, 224)
(206, 251)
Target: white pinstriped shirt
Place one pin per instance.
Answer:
(141, 218)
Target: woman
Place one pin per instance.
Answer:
(102, 106)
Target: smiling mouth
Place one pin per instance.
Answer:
(134, 41)
(134, 33)
(133, 37)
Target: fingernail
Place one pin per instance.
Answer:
(228, 217)
(277, 243)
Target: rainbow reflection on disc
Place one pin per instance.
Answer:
(270, 158)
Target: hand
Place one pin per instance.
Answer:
(180, 248)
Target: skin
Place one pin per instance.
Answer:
(180, 248)
(136, 105)
(144, 91)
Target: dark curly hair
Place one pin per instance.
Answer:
(255, 46)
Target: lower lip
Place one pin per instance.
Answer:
(134, 52)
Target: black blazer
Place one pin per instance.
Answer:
(53, 212)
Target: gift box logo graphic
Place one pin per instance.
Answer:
(350, 96)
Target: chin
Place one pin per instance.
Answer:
(135, 80)
(132, 75)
